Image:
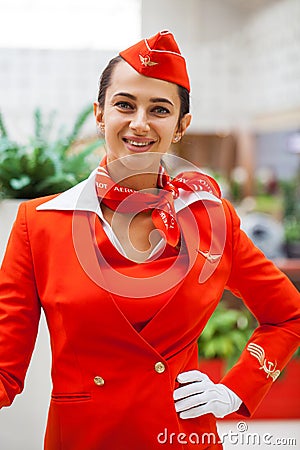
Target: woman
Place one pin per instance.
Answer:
(128, 267)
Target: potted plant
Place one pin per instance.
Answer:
(223, 338)
(291, 216)
(42, 166)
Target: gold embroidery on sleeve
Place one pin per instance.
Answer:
(269, 367)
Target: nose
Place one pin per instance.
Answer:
(139, 122)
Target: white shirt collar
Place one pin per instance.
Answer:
(83, 197)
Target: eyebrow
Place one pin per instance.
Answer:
(153, 99)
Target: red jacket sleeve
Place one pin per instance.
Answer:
(19, 311)
(275, 302)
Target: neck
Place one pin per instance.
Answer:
(136, 174)
(139, 182)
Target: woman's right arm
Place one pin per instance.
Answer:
(19, 311)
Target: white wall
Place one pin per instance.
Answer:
(242, 67)
(194, 22)
(54, 80)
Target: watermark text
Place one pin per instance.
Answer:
(239, 437)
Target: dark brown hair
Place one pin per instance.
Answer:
(105, 81)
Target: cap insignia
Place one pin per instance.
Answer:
(146, 61)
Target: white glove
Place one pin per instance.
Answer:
(202, 396)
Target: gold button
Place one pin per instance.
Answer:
(99, 381)
(159, 367)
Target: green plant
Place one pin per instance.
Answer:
(291, 194)
(43, 165)
(291, 212)
(292, 229)
(226, 334)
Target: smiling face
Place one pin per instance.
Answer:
(140, 114)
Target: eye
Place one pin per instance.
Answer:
(161, 110)
(125, 106)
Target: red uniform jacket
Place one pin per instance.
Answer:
(112, 385)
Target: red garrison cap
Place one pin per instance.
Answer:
(158, 57)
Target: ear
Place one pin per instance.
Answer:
(182, 127)
(98, 113)
(184, 123)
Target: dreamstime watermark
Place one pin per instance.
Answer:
(239, 437)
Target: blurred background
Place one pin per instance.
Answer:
(243, 58)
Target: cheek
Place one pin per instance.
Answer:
(112, 128)
(169, 130)
(117, 122)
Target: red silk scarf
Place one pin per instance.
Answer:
(127, 200)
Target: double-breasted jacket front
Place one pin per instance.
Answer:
(113, 384)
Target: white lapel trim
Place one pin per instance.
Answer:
(81, 197)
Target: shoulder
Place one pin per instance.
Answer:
(27, 210)
(35, 202)
(30, 206)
